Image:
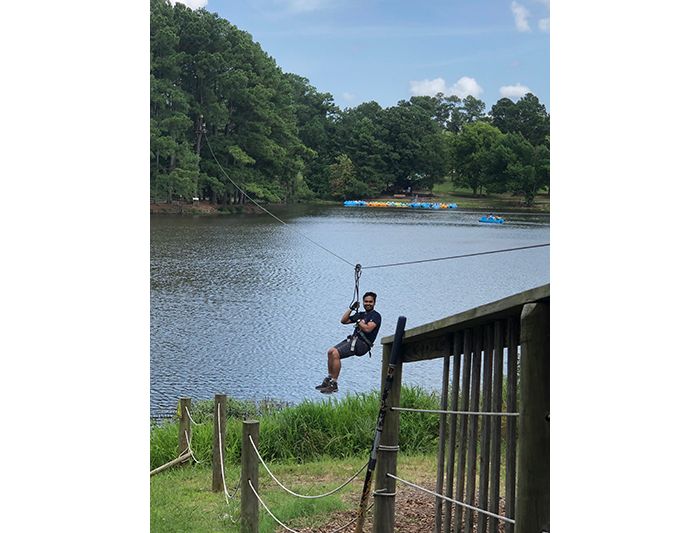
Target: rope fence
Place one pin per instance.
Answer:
(310, 497)
(189, 448)
(504, 518)
(221, 455)
(190, 417)
(286, 527)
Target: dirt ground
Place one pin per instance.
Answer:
(415, 513)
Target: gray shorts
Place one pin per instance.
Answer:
(344, 349)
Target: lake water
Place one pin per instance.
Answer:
(246, 306)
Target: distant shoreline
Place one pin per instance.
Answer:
(492, 203)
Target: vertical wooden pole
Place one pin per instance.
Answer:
(441, 443)
(457, 344)
(485, 431)
(394, 362)
(511, 407)
(249, 471)
(496, 406)
(184, 431)
(462, 437)
(532, 501)
(219, 447)
(473, 430)
(385, 487)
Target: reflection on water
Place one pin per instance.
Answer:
(246, 306)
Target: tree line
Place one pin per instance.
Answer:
(218, 99)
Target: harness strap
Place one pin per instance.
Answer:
(361, 334)
(356, 292)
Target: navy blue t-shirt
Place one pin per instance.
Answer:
(372, 316)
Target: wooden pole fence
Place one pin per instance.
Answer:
(249, 471)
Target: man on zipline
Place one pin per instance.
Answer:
(367, 325)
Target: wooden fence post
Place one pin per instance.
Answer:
(184, 433)
(385, 487)
(532, 502)
(219, 447)
(457, 345)
(439, 502)
(249, 471)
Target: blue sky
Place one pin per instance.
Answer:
(390, 50)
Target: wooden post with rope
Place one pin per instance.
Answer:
(393, 362)
(218, 449)
(184, 406)
(385, 487)
(249, 471)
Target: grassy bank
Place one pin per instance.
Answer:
(305, 432)
(444, 192)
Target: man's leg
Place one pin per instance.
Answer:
(333, 363)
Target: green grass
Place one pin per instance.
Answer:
(446, 192)
(182, 500)
(304, 432)
(311, 447)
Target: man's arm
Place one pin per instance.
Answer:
(345, 319)
(366, 326)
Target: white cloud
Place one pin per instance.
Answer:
(464, 87)
(427, 87)
(192, 4)
(514, 92)
(544, 24)
(348, 97)
(521, 15)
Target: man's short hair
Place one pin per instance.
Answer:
(373, 295)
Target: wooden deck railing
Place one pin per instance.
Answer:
(503, 345)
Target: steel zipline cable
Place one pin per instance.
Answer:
(211, 150)
(266, 211)
(457, 502)
(458, 256)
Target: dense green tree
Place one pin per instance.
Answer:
(528, 166)
(344, 183)
(316, 116)
(361, 135)
(224, 116)
(202, 65)
(476, 162)
(526, 116)
(417, 153)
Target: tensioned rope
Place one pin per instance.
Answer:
(504, 518)
(189, 448)
(266, 211)
(190, 417)
(440, 411)
(310, 497)
(458, 256)
(221, 454)
(289, 528)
